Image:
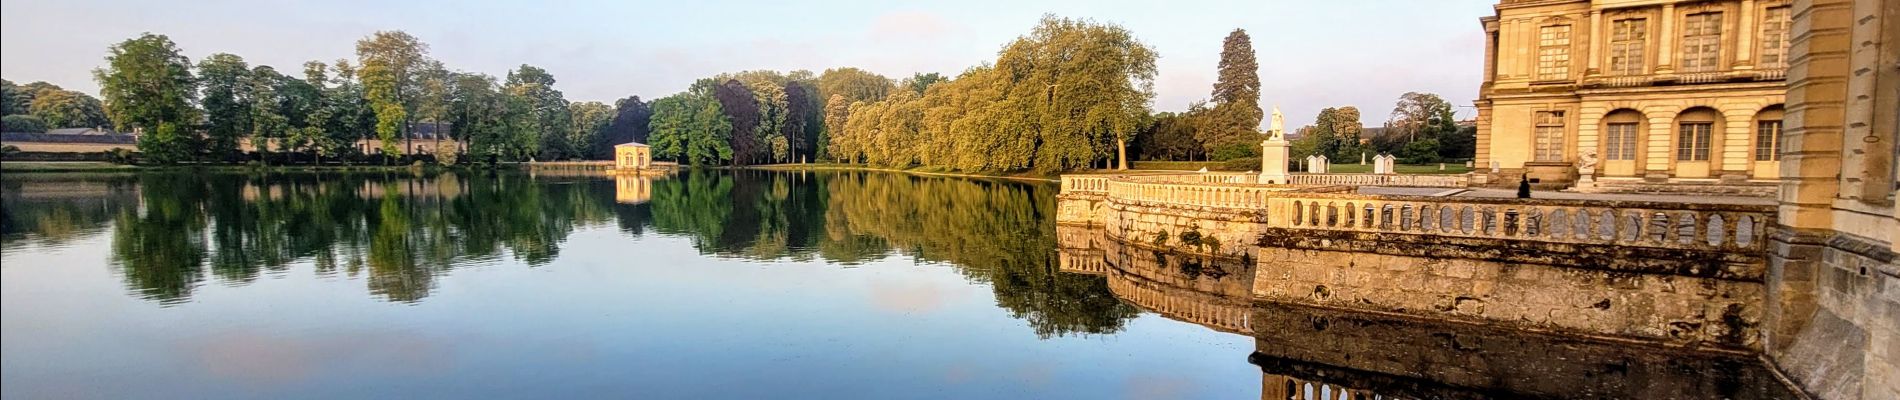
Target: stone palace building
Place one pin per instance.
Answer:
(1655, 90)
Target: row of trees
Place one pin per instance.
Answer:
(1071, 93)
(209, 110)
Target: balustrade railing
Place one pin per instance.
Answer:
(1444, 181)
(1084, 183)
(1649, 224)
(1194, 194)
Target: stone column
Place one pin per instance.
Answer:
(1273, 158)
(1597, 34)
(1745, 42)
(1666, 51)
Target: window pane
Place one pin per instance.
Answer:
(1692, 142)
(1768, 141)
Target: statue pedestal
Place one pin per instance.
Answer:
(1586, 178)
(1273, 156)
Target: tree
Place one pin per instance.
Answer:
(854, 84)
(742, 109)
(590, 122)
(630, 124)
(1235, 120)
(22, 123)
(1334, 133)
(921, 81)
(393, 60)
(227, 103)
(1170, 137)
(267, 118)
(837, 111)
(544, 109)
(380, 88)
(147, 84)
(68, 109)
(689, 127)
(13, 99)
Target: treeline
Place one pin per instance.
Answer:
(209, 111)
(1070, 94)
(1067, 95)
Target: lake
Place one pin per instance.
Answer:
(708, 284)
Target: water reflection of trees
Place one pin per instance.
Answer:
(1000, 233)
(400, 232)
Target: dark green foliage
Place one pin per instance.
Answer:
(22, 123)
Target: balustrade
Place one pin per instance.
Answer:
(1648, 224)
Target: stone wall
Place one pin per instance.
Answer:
(1677, 297)
(1838, 333)
(1220, 231)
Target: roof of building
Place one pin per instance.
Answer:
(634, 144)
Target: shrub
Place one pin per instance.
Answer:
(1241, 164)
(446, 155)
(22, 123)
(1191, 238)
(1161, 238)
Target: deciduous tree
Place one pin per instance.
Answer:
(148, 85)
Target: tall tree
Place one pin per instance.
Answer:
(380, 88)
(148, 85)
(268, 122)
(742, 109)
(590, 121)
(393, 60)
(630, 124)
(837, 111)
(1235, 120)
(224, 79)
(545, 110)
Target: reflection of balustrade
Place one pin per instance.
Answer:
(1281, 387)
(1445, 181)
(1649, 224)
(1194, 307)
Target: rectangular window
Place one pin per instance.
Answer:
(1553, 52)
(1775, 25)
(1620, 142)
(1626, 46)
(1702, 42)
(1768, 140)
(1550, 136)
(1692, 142)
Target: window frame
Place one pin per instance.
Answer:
(1693, 145)
(1629, 45)
(1775, 36)
(1768, 142)
(1620, 144)
(1548, 136)
(1553, 51)
(1701, 42)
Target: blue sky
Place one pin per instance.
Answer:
(1313, 54)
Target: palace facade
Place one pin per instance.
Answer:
(1656, 90)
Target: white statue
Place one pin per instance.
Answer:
(1587, 160)
(1278, 125)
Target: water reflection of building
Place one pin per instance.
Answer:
(1205, 291)
(631, 189)
(1309, 353)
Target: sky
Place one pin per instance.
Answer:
(1312, 53)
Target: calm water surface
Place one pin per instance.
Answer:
(745, 284)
